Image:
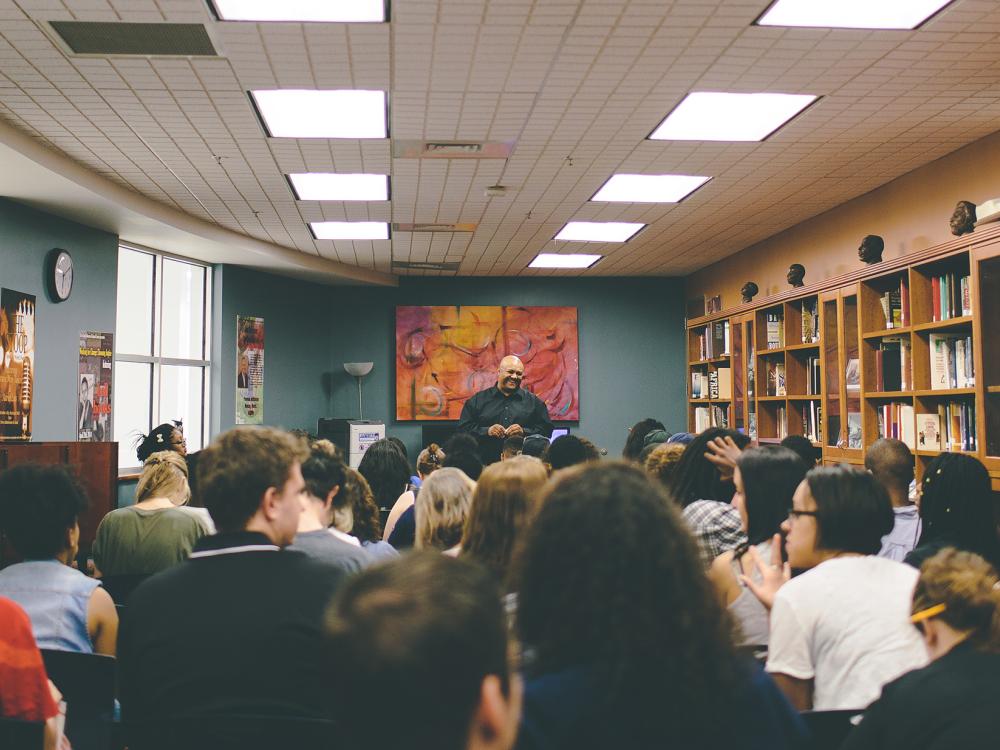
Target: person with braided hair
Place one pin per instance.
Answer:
(952, 702)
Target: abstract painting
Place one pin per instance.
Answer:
(444, 355)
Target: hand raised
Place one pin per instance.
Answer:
(773, 575)
(724, 453)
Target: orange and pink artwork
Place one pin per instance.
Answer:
(444, 355)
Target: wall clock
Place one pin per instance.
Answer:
(59, 275)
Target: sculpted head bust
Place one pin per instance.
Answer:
(748, 291)
(963, 218)
(871, 249)
(796, 274)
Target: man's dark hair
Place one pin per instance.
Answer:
(512, 446)
(770, 475)
(37, 505)
(418, 634)
(534, 445)
(462, 452)
(239, 466)
(570, 450)
(853, 511)
(400, 445)
(609, 580)
(697, 478)
(804, 447)
(386, 470)
(636, 434)
(891, 463)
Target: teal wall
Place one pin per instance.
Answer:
(26, 237)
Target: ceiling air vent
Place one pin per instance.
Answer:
(417, 265)
(145, 39)
(425, 227)
(452, 149)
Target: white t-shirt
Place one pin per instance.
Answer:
(845, 625)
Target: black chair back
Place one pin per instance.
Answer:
(121, 587)
(87, 682)
(829, 729)
(232, 733)
(21, 735)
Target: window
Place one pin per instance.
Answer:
(162, 346)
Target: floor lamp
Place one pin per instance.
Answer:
(359, 370)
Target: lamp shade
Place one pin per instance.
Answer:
(358, 369)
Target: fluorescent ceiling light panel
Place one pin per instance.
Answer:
(327, 186)
(305, 11)
(598, 231)
(717, 116)
(555, 260)
(312, 113)
(649, 188)
(350, 230)
(851, 14)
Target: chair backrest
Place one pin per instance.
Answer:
(21, 735)
(232, 733)
(829, 729)
(87, 682)
(121, 587)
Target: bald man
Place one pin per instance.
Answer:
(504, 411)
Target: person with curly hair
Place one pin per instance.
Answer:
(637, 434)
(956, 509)
(359, 516)
(502, 506)
(625, 642)
(662, 460)
(952, 702)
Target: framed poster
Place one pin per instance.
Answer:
(249, 370)
(93, 413)
(444, 355)
(17, 364)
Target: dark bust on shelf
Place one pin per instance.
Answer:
(748, 291)
(963, 218)
(796, 274)
(871, 249)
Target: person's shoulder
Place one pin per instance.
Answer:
(13, 616)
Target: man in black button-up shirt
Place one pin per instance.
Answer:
(503, 411)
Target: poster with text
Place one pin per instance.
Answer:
(249, 370)
(17, 364)
(93, 410)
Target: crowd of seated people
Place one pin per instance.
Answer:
(593, 603)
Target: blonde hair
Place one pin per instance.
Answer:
(969, 589)
(441, 508)
(430, 459)
(164, 474)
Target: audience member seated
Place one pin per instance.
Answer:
(839, 631)
(956, 509)
(429, 460)
(534, 446)
(636, 436)
(26, 693)
(802, 445)
(323, 473)
(952, 702)
(360, 516)
(169, 436)
(766, 479)
(684, 438)
(662, 461)
(39, 507)
(387, 472)
(442, 509)
(423, 638)
(463, 453)
(511, 447)
(154, 534)
(234, 630)
(569, 450)
(502, 506)
(414, 480)
(704, 491)
(891, 463)
(625, 642)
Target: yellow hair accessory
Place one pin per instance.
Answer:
(926, 614)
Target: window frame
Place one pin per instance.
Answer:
(155, 360)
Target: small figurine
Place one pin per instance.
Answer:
(871, 249)
(963, 218)
(748, 291)
(796, 274)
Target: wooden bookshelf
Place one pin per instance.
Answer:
(875, 339)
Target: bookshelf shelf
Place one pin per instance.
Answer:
(712, 361)
(771, 352)
(804, 397)
(768, 440)
(886, 332)
(945, 393)
(699, 401)
(799, 347)
(944, 325)
(890, 394)
(772, 398)
(993, 389)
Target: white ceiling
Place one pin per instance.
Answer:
(578, 84)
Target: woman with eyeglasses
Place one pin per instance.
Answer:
(839, 630)
(952, 702)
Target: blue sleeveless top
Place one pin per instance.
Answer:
(55, 596)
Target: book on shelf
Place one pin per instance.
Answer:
(833, 433)
(950, 296)
(853, 429)
(720, 416)
(813, 375)
(904, 300)
(895, 420)
(750, 374)
(775, 330)
(891, 364)
(810, 321)
(702, 419)
(775, 379)
(812, 421)
(892, 308)
(957, 420)
(928, 432)
(699, 385)
(752, 425)
(951, 361)
(782, 423)
(713, 341)
(724, 383)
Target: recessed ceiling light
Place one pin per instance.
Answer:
(327, 186)
(598, 231)
(342, 11)
(555, 260)
(312, 113)
(717, 116)
(350, 230)
(851, 14)
(649, 188)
